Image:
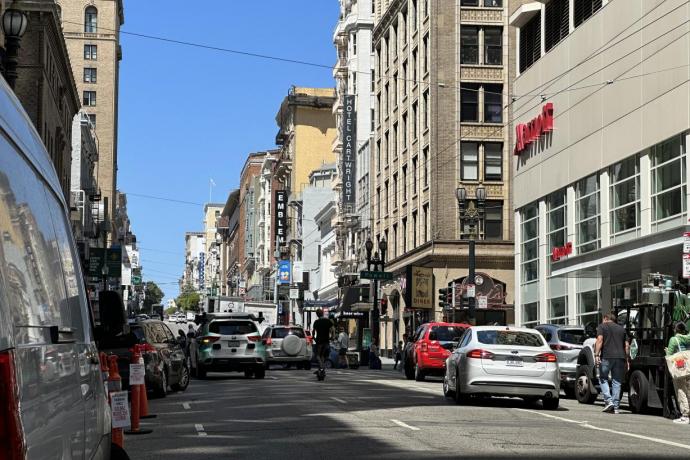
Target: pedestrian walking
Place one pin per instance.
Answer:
(397, 354)
(611, 352)
(374, 359)
(678, 367)
(343, 345)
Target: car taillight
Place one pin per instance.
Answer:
(268, 341)
(558, 347)
(478, 353)
(11, 432)
(425, 347)
(208, 340)
(254, 338)
(546, 358)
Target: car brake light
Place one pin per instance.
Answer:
(425, 347)
(546, 358)
(561, 347)
(209, 339)
(11, 432)
(268, 341)
(478, 353)
(254, 338)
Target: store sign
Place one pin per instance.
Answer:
(686, 243)
(349, 155)
(526, 133)
(284, 272)
(484, 286)
(686, 266)
(559, 252)
(482, 302)
(421, 282)
(280, 216)
(202, 271)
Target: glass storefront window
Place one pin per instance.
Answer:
(627, 293)
(588, 308)
(587, 214)
(557, 230)
(624, 196)
(530, 243)
(668, 179)
(530, 314)
(558, 310)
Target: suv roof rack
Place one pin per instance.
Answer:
(206, 316)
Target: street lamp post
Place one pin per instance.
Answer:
(14, 24)
(471, 213)
(378, 262)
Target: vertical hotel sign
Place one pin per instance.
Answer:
(280, 217)
(349, 155)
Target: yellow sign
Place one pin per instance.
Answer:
(422, 287)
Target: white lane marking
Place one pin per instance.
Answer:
(341, 401)
(272, 377)
(200, 429)
(186, 406)
(404, 425)
(585, 424)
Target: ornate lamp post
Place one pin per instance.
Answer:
(471, 213)
(378, 262)
(14, 24)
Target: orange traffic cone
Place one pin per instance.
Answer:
(143, 397)
(136, 394)
(115, 384)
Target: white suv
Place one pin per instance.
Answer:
(288, 344)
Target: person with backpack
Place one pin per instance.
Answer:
(681, 342)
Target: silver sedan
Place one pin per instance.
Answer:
(503, 361)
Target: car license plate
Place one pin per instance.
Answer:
(233, 343)
(514, 362)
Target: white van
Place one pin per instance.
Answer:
(52, 397)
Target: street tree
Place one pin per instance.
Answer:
(154, 295)
(189, 299)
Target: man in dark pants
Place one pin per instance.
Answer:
(322, 336)
(611, 353)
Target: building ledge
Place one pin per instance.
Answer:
(526, 12)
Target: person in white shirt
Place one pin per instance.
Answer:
(343, 345)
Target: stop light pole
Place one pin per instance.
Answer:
(378, 263)
(472, 213)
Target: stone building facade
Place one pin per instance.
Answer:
(92, 32)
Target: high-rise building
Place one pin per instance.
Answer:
(92, 33)
(441, 80)
(212, 247)
(195, 261)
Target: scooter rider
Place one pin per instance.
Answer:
(322, 335)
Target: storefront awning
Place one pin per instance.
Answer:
(656, 252)
(350, 300)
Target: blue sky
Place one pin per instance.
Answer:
(189, 114)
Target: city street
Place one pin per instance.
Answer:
(364, 413)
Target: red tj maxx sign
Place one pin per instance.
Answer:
(526, 133)
(561, 251)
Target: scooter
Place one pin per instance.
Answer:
(320, 374)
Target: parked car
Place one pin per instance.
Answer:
(157, 317)
(288, 344)
(426, 353)
(52, 395)
(189, 316)
(228, 342)
(503, 361)
(566, 342)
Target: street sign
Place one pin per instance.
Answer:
(294, 293)
(120, 409)
(136, 280)
(470, 290)
(482, 302)
(686, 243)
(686, 266)
(370, 275)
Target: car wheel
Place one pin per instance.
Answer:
(248, 374)
(260, 373)
(409, 372)
(200, 371)
(418, 373)
(307, 365)
(162, 390)
(550, 403)
(583, 385)
(637, 393)
(447, 392)
(460, 397)
(183, 383)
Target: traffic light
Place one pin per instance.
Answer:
(443, 295)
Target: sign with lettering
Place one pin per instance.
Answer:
(349, 153)
(202, 270)
(421, 292)
(686, 266)
(561, 251)
(119, 405)
(686, 243)
(484, 286)
(284, 272)
(526, 133)
(280, 216)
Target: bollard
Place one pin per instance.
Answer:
(114, 384)
(143, 397)
(136, 404)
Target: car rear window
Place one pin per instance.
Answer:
(282, 332)
(525, 339)
(138, 332)
(446, 333)
(232, 327)
(574, 336)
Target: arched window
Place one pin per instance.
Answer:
(91, 20)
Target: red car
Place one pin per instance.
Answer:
(426, 353)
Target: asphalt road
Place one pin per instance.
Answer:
(366, 414)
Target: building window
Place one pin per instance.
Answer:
(425, 153)
(425, 44)
(385, 197)
(556, 221)
(395, 241)
(414, 229)
(89, 98)
(90, 75)
(92, 119)
(91, 52)
(469, 102)
(469, 154)
(493, 45)
(414, 65)
(403, 137)
(414, 176)
(530, 314)
(469, 45)
(403, 81)
(404, 183)
(469, 3)
(378, 155)
(529, 253)
(668, 179)
(373, 80)
(425, 210)
(493, 103)
(584, 9)
(588, 308)
(395, 140)
(404, 236)
(378, 201)
(415, 124)
(386, 99)
(354, 44)
(395, 190)
(493, 3)
(493, 220)
(403, 27)
(587, 214)
(493, 161)
(413, 14)
(91, 20)
(558, 310)
(556, 22)
(530, 42)
(425, 101)
(373, 120)
(624, 196)
(388, 146)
